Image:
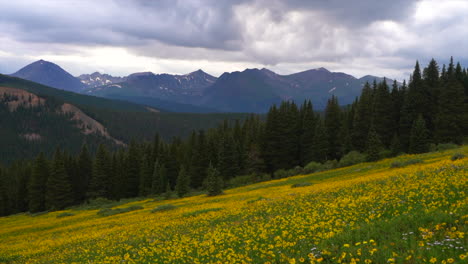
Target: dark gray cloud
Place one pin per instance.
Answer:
(359, 36)
(189, 23)
(184, 23)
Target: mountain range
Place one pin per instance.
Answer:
(252, 90)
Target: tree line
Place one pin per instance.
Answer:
(384, 121)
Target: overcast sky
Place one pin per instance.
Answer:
(119, 37)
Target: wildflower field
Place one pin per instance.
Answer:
(367, 213)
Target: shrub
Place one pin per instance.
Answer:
(164, 207)
(446, 146)
(312, 167)
(281, 173)
(353, 157)
(99, 203)
(38, 213)
(401, 164)
(296, 171)
(329, 164)
(109, 211)
(243, 180)
(65, 214)
(386, 153)
(457, 156)
(301, 184)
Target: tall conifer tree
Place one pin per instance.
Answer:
(59, 192)
(38, 184)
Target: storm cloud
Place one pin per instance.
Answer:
(119, 37)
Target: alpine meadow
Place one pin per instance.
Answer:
(267, 157)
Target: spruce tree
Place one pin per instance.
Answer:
(419, 139)
(38, 184)
(417, 102)
(159, 180)
(146, 173)
(374, 145)
(168, 192)
(432, 82)
(59, 192)
(307, 134)
(183, 182)
(155, 180)
(362, 119)
(99, 183)
(320, 145)
(395, 146)
(84, 174)
(382, 114)
(271, 141)
(214, 183)
(199, 160)
(132, 173)
(332, 127)
(452, 110)
(397, 96)
(4, 204)
(227, 158)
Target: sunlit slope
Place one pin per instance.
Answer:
(367, 213)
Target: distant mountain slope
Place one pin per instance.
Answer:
(97, 79)
(49, 74)
(252, 90)
(30, 123)
(163, 105)
(256, 90)
(112, 122)
(74, 98)
(175, 88)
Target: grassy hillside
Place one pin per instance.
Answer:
(367, 213)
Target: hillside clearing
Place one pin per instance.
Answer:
(367, 213)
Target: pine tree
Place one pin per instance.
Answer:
(307, 134)
(38, 184)
(320, 145)
(432, 82)
(183, 182)
(4, 203)
(452, 111)
(332, 128)
(255, 163)
(99, 183)
(419, 140)
(397, 96)
(417, 102)
(374, 145)
(120, 180)
(132, 174)
(382, 114)
(146, 173)
(271, 140)
(83, 175)
(395, 146)
(199, 160)
(214, 183)
(168, 192)
(159, 180)
(362, 119)
(227, 158)
(59, 192)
